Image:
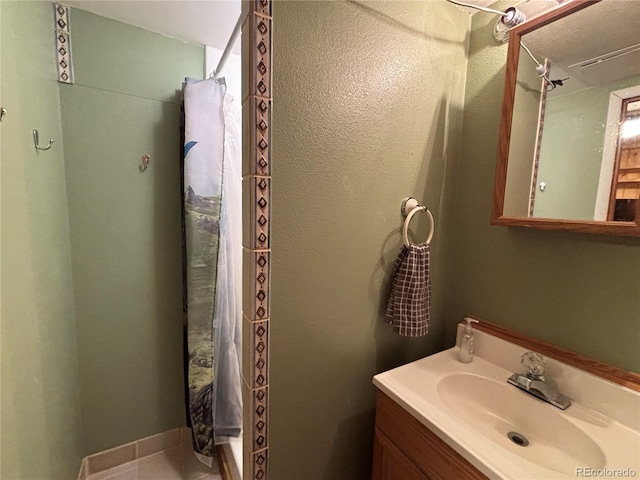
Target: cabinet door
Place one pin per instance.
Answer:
(389, 463)
(419, 445)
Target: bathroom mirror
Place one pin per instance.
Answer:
(569, 147)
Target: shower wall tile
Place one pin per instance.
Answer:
(82, 475)
(259, 467)
(255, 433)
(61, 14)
(255, 318)
(248, 286)
(248, 145)
(167, 455)
(263, 7)
(247, 212)
(166, 465)
(258, 45)
(256, 268)
(260, 375)
(62, 30)
(261, 161)
(256, 184)
(112, 458)
(257, 200)
(247, 432)
(257, 122)
(261, 186)
(247, 358)
(259, 405)
(128, 471)
(160, 442)
(263, 280)
(247, 418)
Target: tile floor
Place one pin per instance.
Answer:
(178, 463)
(165, 456)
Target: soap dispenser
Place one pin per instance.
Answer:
(466, 341)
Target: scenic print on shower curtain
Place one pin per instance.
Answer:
(212, 225)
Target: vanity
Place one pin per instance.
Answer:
(438, 418)
(405, 448)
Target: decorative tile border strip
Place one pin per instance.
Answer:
(260, 461)
(260, 377)
(64, 61)
(260, 161)
(257, 104)
(259, 414)
(536, 154)
(263, 7)
(261, 188)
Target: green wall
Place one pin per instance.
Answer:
(576, 290)
(367, 111)
(41, 432)
(571, 150)
(91, 272)
(125, 225)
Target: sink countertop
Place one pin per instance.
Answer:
(414, 387)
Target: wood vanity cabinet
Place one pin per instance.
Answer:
(404, 449)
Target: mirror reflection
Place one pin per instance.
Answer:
(574, 148)
(626, 178)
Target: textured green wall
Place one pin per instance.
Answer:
(125, 226)
(576, 290)
(367, 110)
(41, 434)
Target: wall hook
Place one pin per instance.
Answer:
(145, 162)
(3, 112)
(36, 142)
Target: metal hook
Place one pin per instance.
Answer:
(3, 112)
(36, 142)
(145, 162)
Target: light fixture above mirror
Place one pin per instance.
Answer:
(562, 161)
(507, 19)
(511, 16)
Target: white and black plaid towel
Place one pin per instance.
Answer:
(408, 307)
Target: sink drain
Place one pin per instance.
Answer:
(518, 439)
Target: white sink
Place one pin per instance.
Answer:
(540, 432)
(472, 408)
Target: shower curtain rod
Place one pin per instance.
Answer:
(227, 50)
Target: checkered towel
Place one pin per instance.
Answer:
(410, 300)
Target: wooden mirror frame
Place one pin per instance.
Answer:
(497, 207)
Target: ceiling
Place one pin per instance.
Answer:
(210, 22)
(203, 22)
(597, 45)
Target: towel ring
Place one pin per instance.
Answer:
(409, 208)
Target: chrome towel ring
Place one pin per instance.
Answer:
(409, 208)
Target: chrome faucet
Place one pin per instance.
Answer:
(533, 381)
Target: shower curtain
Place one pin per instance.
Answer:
(213, 264)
